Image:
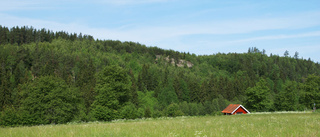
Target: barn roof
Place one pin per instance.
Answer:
(232, 108)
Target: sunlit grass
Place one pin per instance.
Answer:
(293, 124)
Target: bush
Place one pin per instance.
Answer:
(10, 117)
(208, 107)
(129, 111)
(193, 109)
(81, 116)
(184, 107)
(179, 113)
(103, 113)
(156, 113)
(201, 109)
(147, 113)
(48, 100)
(217, 113)
(140, 113)
(173, 110)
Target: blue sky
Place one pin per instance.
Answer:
(202, 27)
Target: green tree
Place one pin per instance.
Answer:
(311, 94)
(194, 86)
(49, 100)
(129, 111)
(286, 53)
(112, 90)
(147, 100)
(296, 55)
(85, 80)
(173, 110)
(258, 97)
(167, 96)
(288, 98)
(219, 103)
(133, 89)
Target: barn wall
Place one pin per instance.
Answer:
(240, 109)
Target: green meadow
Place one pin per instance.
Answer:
(275, 124)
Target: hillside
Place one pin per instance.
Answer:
(56, 77)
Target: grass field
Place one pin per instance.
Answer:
(282, 124)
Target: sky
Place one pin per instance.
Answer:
(202, 27)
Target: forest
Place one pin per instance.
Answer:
(51, 77)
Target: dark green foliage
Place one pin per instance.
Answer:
(311, 94)
(194, 109)
(47, 100)
(85, 80)
(103, 113)
(219, 103)
(25, 35)
(184, 107)
(147, 100)
(158, 113)
(167, 96)
(133, 89)
(173, 110)
(110, 78)
(147, 113)
(288, 98)
(258, 97)
(113, 90)
(10, 117)
(129, 111)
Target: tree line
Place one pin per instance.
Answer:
(25, 34)
(54, 77)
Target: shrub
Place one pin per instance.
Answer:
(10, 117)
(173, 110)
(147, 113)
(129, 111)
(156, 113)
(184, 107)
(193, 107)
(48, 100)
(103, 113)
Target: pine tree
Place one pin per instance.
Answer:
(48, 100)
(112, 90)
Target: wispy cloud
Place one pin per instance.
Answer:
(277, 37)
(10, 21)
(129, 2)
(162, 32)
(308, 51)
(24, 5)
(168, 33)
(242, 26)
(247, 25)
(18, 5)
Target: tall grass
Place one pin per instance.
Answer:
(293, 124)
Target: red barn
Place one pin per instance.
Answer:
(233, 109)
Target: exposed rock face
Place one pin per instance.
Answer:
(181, 62)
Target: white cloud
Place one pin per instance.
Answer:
(305, 51)
(129, 2)
(39, 4)
(168, 36)
(23, 5)
(276, 37)
(150, 33)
